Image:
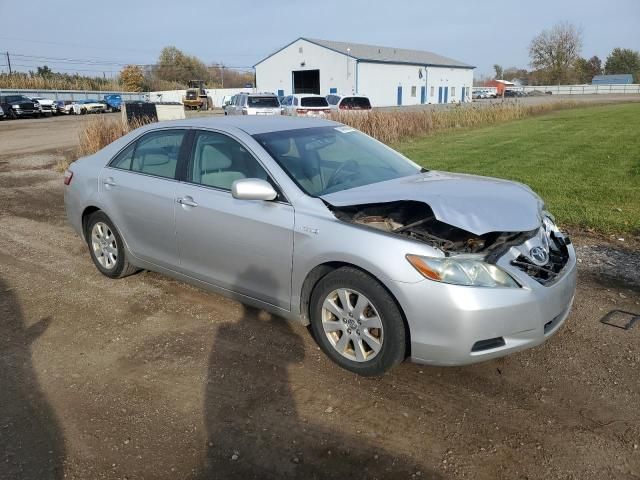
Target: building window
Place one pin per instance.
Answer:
(433, 91)
(413, 91)
(453, 91)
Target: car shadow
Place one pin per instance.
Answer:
(253, 426)
(31, 440)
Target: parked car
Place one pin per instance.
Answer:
(92, 106)
(18, 106)
(348, 102)
(513, 93)
(69, 107)
(1, 114)
(113, 102)
(306, 104)
(477, 95)
(312, 220)
(255, 104)
(45, 106)
(226, 101)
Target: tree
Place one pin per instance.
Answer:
(623, 60)
(556, 50)
(132, 78)
(513, 73)
(585, 69)
(45, 72)
(176, 66)
(499, 71)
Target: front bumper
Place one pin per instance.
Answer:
(447, 321)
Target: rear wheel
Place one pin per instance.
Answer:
(357, 323)
(106, 247)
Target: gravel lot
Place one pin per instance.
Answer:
(147, 377)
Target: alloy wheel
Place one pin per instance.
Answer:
(352, 324)
(104, 245)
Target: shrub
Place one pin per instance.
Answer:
(95, 134)
(393, 126)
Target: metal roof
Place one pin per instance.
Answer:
(379, 54)
(623, 78)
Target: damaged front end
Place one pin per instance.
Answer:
(416, 220)
(543, 251)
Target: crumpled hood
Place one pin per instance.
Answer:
(476, 204)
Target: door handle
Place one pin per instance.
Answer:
(188, 201)
(110, 182)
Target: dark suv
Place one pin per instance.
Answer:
(16, 106)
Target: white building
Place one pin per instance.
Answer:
(389, 76)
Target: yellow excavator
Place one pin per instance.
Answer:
(196, 97)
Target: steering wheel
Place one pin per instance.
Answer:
(334, 176)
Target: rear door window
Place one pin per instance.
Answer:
(157, 153)
(313, 102)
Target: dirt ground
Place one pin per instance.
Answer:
(147, 377)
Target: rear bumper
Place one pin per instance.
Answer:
(455, 325)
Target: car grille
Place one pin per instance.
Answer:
(558, 258)
(27, 106)
(45, 107)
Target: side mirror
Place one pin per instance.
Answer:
(253, 189)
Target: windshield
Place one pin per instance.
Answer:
(263, 102)
(324, 160)
(313, 102)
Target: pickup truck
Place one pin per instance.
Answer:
(18, 106)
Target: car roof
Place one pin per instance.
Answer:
(250, 124)
(343, 95)
(300, 95)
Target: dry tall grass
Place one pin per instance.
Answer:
(59, 82)
(393, 126)
(96, 133)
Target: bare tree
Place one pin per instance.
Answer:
(556, 50)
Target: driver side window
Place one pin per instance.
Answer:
(218, 161)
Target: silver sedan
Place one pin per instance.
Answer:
(315, 221)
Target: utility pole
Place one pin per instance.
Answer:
(9, 63)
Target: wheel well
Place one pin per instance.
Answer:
(314, 276)
(85, 216)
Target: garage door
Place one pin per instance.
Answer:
(306, 81)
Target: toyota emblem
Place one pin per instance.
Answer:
(539, 255)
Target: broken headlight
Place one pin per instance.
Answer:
(469, 270)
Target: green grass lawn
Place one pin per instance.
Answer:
(584, 162)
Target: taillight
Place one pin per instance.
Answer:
(301, 110)
(245, 111)
(343, 107)
(68, 175)
(328, 110)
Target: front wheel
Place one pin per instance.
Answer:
(357, 323)
(106, 247)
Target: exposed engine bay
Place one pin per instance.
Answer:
(416, 220)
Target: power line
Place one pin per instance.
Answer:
(41, 58)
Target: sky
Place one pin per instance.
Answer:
(93, 37)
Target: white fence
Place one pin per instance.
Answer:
(215, 94)
(73, 95)
(603, 89)
(584, 89)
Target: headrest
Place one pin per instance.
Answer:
(281, 146)
(214, 159)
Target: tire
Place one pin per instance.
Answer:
(106, 247)
(365, 350)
